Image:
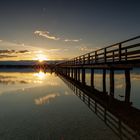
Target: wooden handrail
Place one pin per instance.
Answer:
(116, 50)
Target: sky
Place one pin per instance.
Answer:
(62, 29)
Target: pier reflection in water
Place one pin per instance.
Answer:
(111, 111)
(39, 105)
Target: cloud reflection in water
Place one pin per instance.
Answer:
(46, 99)
(10, 81)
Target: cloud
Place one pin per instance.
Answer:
(87, 48)
(53, 50)
(75, 40)
(46, 34)
(16, 45)
(23, 51)
(13, 51)
(7, 51)
(7, 56)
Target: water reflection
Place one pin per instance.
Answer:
(46, 99)
(120, 85)
(48, 112)
(45, 108)
(120, 117)
(41, 75)
(24, 79)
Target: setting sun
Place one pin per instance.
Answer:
(41, 57)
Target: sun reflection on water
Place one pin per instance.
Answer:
(40, 75)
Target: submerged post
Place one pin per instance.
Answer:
(78, 74)
(68, 72)
(83, 76)
(92, 77)
(75, 73)
(112, 82)
(104, 80)
(127, 86)
(72, 73)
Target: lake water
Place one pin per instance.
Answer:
(40, 106)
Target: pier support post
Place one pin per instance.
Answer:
(112, 82)
(78, 74)
(104, 80)
(72, 73)
(64, 71)
(75, 73)
(68, 72)
(92, 77)
(83, 76)
(127, 86)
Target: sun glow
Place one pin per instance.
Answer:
(41, 57)
(41, 75)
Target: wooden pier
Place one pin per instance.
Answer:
(120, 56)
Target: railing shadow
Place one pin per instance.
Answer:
(119, 116)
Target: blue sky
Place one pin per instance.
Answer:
(60, 29)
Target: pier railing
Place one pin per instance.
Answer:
(122, 52)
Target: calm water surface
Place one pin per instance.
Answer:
(40, 106)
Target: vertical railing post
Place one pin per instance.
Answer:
(95, 56)
(120, 52)
(74, 61)
(83, 59)
(113, 56)
(105, 55)
(125, 54)
(88, 58)
(79, 59)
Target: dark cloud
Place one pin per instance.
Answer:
(13, 51)
(23, 51)
(7, 56)
(6, 51)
